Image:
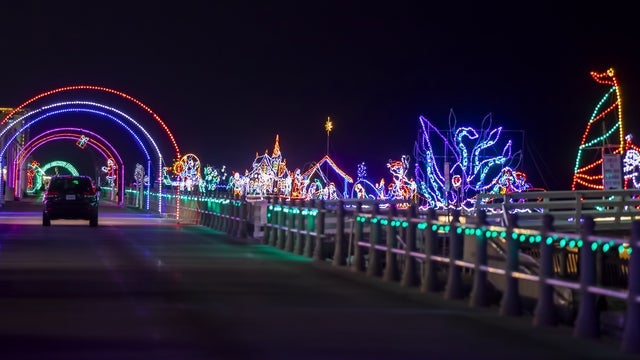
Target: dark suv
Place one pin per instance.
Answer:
(70, 197)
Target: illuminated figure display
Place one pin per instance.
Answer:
(111, 172)
(212, 178)
(41, 179)
(604, 134)
(401, 188)
(320, 186)
(139, 176)
(631, 164)
(188, 171)
(453, 166)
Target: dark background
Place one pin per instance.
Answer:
(227, 77)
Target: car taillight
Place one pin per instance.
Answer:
(51, 193)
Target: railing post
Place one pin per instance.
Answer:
(587, 324)
(510, 304)
(318, 249)
(275, 220)
(453, 289)
(479, 296)
(391, 263)
(338, 251)
(242, 223)
(282, 220)
(409, 277)
(300, 226)
(374, 268)
(310, 226)
(358, 258)
(631, 334)
(288, 245)
(545, 311)
(430, 281)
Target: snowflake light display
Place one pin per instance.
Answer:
(453, 166)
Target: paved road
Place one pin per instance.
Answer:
(143, 287)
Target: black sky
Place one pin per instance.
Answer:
(227, 77)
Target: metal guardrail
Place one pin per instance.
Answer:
(396, 243)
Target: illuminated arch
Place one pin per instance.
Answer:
(23, 118)
(125, 96)
(32, 121)
(71, 134)
(98, 88)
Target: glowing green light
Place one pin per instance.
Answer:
(563, 243)
(572, 244)
(594, 246)
(434, 227)
(459, 230)
(580, 243)
(549, 240)
(605, 247)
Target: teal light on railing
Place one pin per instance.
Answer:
(523, 237)
(514, 236)
(572, 244)
(621, 248)
(422, 226)
(384, 221)
(606, 247)
(594, 246)
(579, 243)
(538, 238)
(434, 227)
(405, 224)
(459, 230)
(563, 242)
(447, 228)
(374, 220)
(549, 240)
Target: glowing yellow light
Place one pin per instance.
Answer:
(328, 125)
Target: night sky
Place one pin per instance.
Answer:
(226, 78)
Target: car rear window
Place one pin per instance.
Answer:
(70, 184)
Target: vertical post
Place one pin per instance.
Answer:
(374, 268)
(318, 249)
(510, 304)
(479, 296)
(274, 222)
(300, 226)
(282, 220)
(310, 226)
(587, 324)
(430, 281)
(453, 289)
(288, 245)
(338, 251)
(358, 258)
(545, 312)
(243, 215)
(631, 334)
(391, 264)
(409, 277)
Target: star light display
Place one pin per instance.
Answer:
(453, 166)
(631, 164)
(604, 134)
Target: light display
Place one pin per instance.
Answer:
(111, 172)
(320, 186)
(212, 179)
(604, 134)
(82, 141)
(82, 87)
(268, 175)
(40, 177)
(61, 134)
(139, 177)
(469, 159)
(107, 150)
(26, 123)
(188, 174)
(631, 164)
